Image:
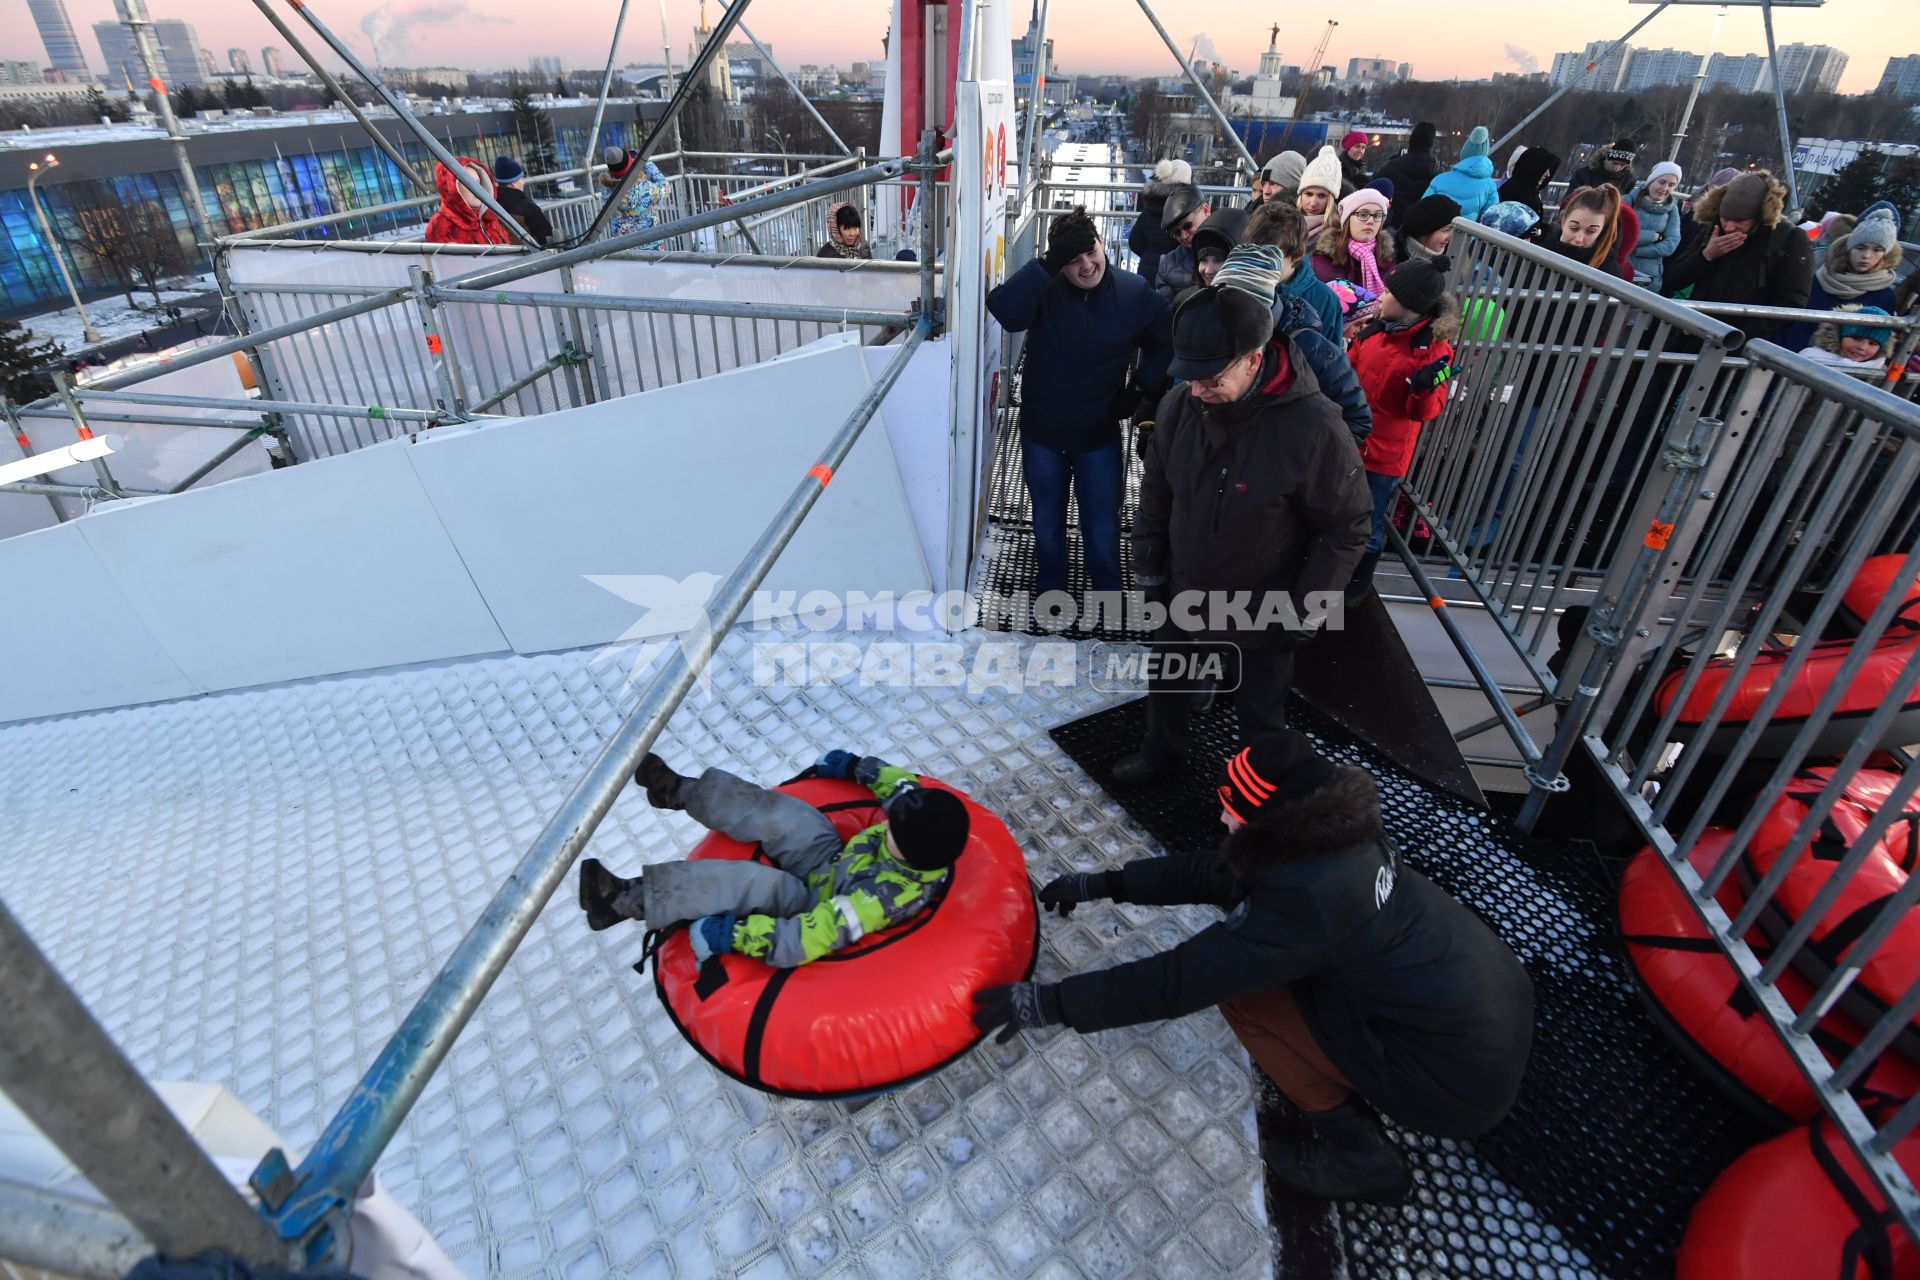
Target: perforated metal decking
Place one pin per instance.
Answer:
(1614, 1137)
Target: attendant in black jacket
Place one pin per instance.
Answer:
(510, 189)
(1355, 983)
(1411, 172)
(1084, 323)
(1253, 506)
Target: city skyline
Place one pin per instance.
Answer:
(1090, 36)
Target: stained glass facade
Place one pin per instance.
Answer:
(240, 195)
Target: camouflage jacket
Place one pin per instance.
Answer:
(863, 890)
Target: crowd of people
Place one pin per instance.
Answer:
(464, 218)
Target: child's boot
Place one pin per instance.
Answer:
(607, 898)
(665, 788)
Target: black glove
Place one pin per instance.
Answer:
(1016, 1007)
(1063, 893)
(1069, 238)
(1125, 405)
(1429, 376)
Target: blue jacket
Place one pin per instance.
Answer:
(1313, 291)
(1329, 363)
(1470, 185)
(1659, 237)
(1178, 272)
(1079, 344)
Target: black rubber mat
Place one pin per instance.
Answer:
(1614, 1136)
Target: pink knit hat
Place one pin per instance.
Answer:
(1353, 139)
(1364, 198)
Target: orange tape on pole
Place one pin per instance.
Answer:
(157, 85)
(822, 472)
(1657, 535)
(433, 343)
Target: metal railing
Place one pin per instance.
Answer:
(98, 1110)
(344, 366)
(1658, 513)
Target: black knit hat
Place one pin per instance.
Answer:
(1071, 235)
(1424, 217)
(1276, 768)
(1418, 286)
(1421, 139)
(1181, 201)
(929, 827)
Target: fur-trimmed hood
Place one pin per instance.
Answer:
(1336, 817)
(1160, 190)
(1446, 322)
(1706, 210)
(1834, 237)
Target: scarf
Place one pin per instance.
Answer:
(1314, 222)
(1365, 252)
(834, 249)
(1417, 252)
(1851, 284)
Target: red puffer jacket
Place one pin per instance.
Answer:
(1383, 361)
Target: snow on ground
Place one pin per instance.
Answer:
(114, 319)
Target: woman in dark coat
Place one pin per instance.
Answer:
(1355, 983)
(1527, 184)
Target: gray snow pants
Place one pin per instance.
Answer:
(797, 837)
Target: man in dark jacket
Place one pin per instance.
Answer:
(1611, 165)
(1084, 321)
(1147, 238)
(1253, 506)
(1353, 981)
(1185, 213)
(510, 189)
(1411, 172)
(1751, 253)
(1215, 239)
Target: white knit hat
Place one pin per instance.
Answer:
(1665, 169)
(1323, 171)
(1175, 171)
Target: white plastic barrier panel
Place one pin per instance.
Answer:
(577, 528)
(606, 522)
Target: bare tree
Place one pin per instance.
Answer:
(132, 241)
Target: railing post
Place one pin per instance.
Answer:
(445, 371)
(1688, 444)
(926, 165)
(20, 438)
(63, 386)
(586, 338)
(63, 1070)
(237, 317)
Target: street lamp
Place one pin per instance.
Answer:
(35, 169)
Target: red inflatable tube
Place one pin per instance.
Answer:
(1697, 997)
(1799, 1207)
(895, 1006)
(1869, 689)
(1872, 584)
(1895, 966)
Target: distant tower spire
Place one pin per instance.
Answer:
(1273, 40)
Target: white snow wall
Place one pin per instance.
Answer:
(476, 540)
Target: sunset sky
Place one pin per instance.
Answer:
(1468, 39)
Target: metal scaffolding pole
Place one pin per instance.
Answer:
(1030, 137)
(715, 47)
(66, 1235)
(606, 86)
(62, 1069)
(1693, 95)
(347, 1150)
(804, 101)
(133, 16)
(1201, 89)
(1577, 81)
(1780, 109)
(387, 148)
(412, 122)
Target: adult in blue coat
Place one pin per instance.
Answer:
(1658, 207)
(1470, 183)
(1084, 323)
